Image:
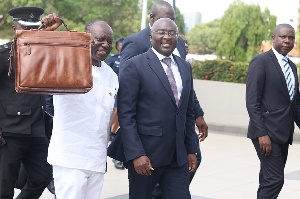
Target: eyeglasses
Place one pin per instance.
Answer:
(171, 33)
(101, 40)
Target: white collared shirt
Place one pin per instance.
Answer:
(81, 124)
(175, 71)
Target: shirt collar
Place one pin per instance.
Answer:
(160, 56)
(278, 55)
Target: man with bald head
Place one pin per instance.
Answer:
(81, 123)
(156, 117)
(273, 103)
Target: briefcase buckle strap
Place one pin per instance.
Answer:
(11, 54)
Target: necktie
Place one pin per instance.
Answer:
(171, 78)
(288, 77)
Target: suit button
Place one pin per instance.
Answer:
(177, 113)
(19, 113)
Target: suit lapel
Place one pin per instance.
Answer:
(157, 68)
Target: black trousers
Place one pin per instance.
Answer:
(33, 152)
(271, 175)
(173, 180)
(157, 192)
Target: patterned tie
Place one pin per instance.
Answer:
(287, 74)
(171, 78)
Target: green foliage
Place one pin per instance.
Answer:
(242, 30)
(202, 37)
(220, 70)
(180, 21)
(123, 16)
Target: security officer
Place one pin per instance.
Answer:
(114, 60)
(22, 124)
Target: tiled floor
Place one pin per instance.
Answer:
(229, 170)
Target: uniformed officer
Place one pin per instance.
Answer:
(22, 124)
(114, 60)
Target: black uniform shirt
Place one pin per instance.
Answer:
(114, 61)
(20, 114)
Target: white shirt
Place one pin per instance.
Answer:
(175, 71)
(282, 63)
(81, 124)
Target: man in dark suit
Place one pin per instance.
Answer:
(21, 119)
(272, 99)
(139, 43)
(155, 108)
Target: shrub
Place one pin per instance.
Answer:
(220, 70)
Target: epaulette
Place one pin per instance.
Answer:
(5, 47)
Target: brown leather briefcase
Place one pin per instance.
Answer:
(52, 62)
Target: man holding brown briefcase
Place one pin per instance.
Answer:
(22, 119)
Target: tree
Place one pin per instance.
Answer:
(122, 15)
(242, 30)
(202, 37)
(180, 21)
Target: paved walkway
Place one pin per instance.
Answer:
(229, 170)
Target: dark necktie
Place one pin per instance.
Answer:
(288, 77)
(171, 78)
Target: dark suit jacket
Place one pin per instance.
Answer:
(151, 123)
(20, 114)
(270, 109)
(139, 43)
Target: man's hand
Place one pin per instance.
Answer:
(51, 22)
(114, 124)
(143, 166)
(192, 160)
(202, 127)
(265, 145)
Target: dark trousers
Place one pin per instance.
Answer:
(157, 191)
(173, 180)
(271, 175)
(33, 153)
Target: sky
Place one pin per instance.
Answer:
(212, 9)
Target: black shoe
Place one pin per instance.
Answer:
(119, 165)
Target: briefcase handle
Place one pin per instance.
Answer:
(14, 41)
(63, 22)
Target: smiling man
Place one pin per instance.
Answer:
(273, 103)
(81, 123)
(155, 108)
